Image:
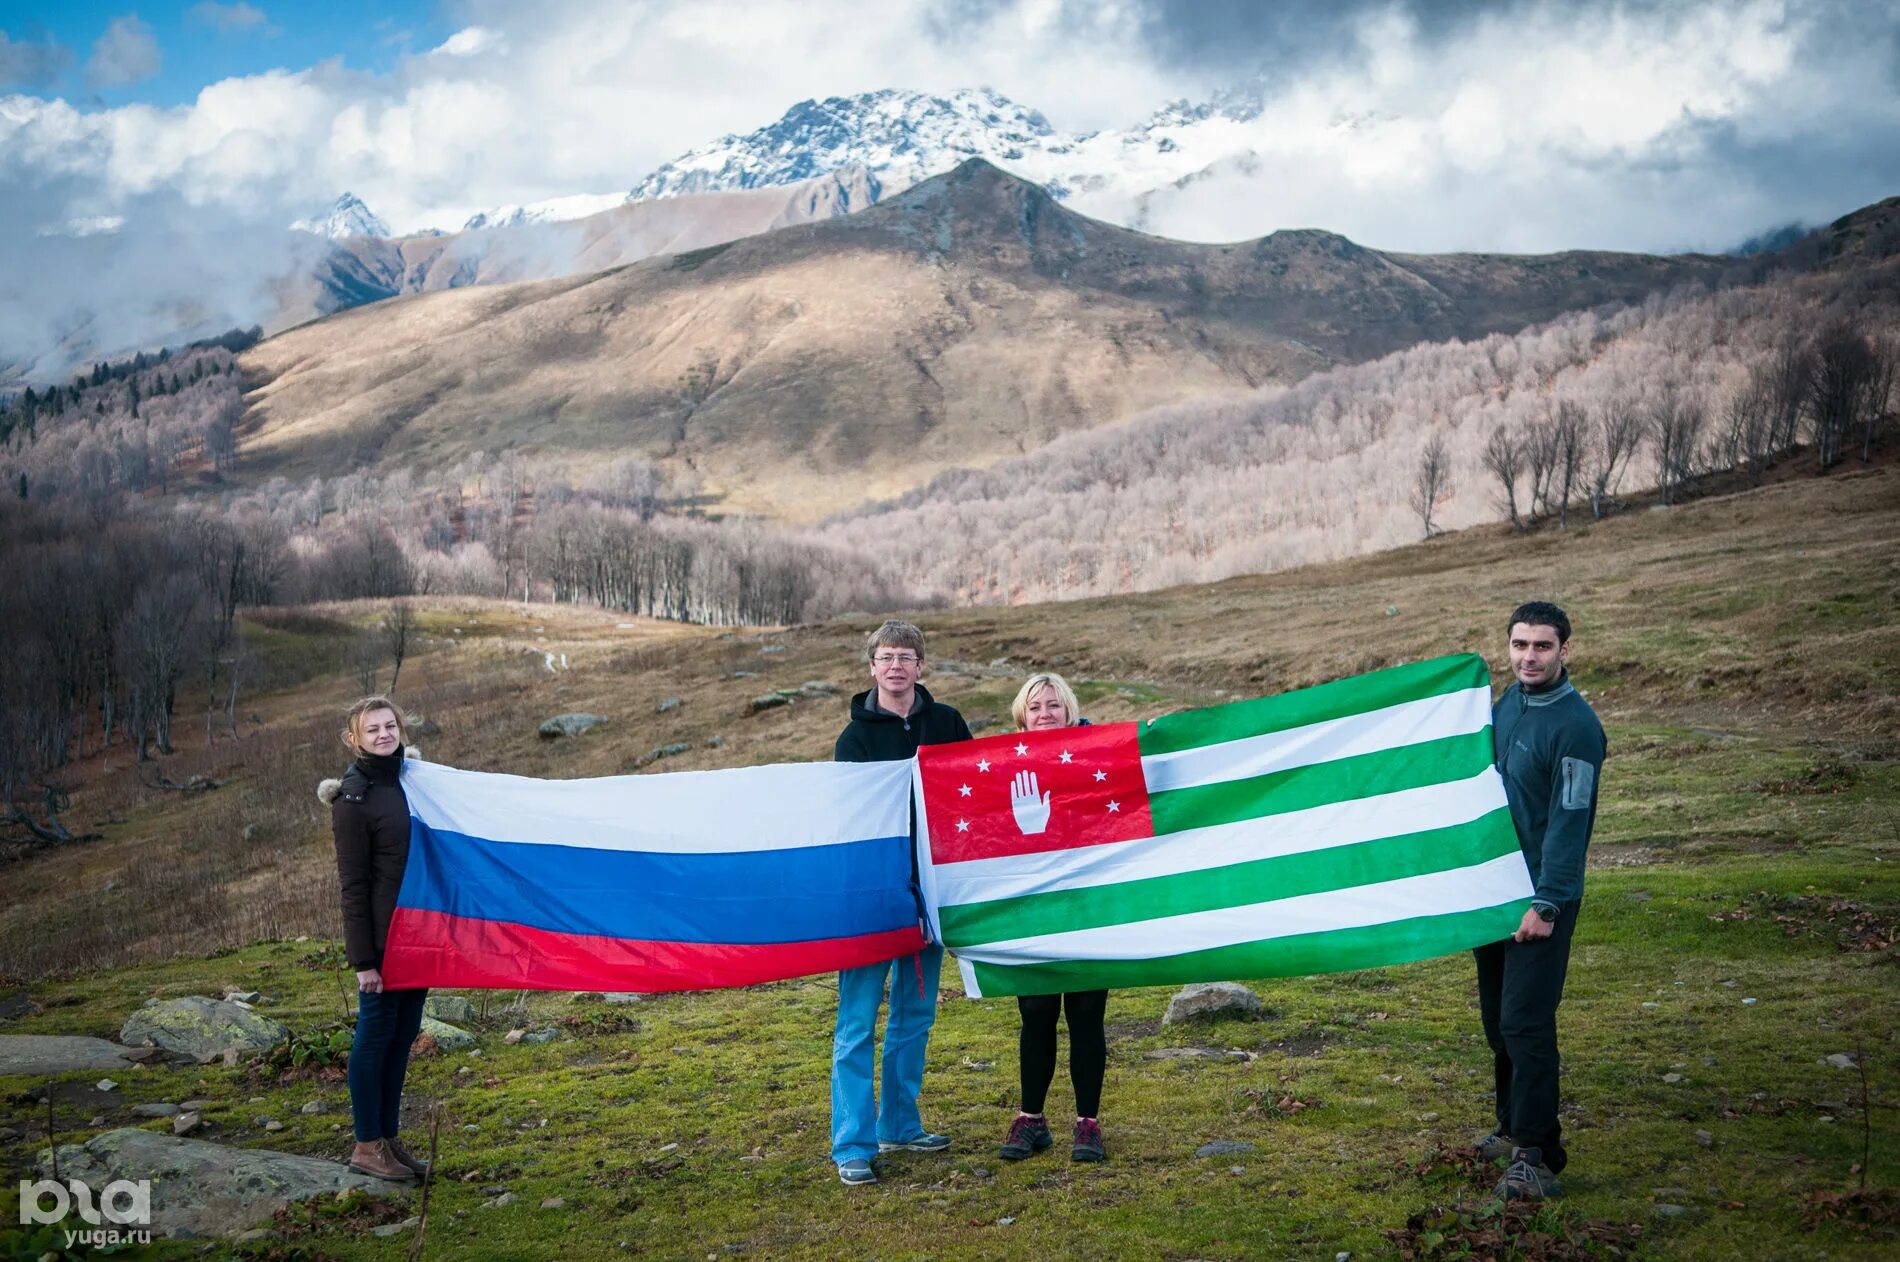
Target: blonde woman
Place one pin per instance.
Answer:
(1046, 701)
(369, 817)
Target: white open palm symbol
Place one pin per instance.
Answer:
(1030, 808)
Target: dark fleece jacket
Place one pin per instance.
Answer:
(876, 735)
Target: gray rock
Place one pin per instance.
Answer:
(106, 1084)
(35, 1054)
(243, 996)
(1704, 1139)
(660, 751)
(818, 688)
(570, 724)
(770, 701)
(1184, 1053)
(205, 1189)
(771, 648)
(553, 1202)
(540, 1036)
(451, 1008)
(185, 1123)
(1842, 1060)
(1672, 1079)
(669, 705)
(624, 997)
(500, 1202)
(154, 1110)
(202, 1028)
(1666, 1210)
(448, 1037)
(315, 1107)
(1208, 999)
(1224, 1148)
(715, 741)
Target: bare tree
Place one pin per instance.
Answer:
(1613, 441)
(1504, 457)
(1675, 434)
(398, 627)
(1567, 439)
(1432, 481)
(1844, 375)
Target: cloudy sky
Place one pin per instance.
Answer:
(1411, 124)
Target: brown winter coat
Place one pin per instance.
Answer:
(369, 817)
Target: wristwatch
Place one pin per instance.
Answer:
(1546, 912)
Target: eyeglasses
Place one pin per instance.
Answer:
(895, 659)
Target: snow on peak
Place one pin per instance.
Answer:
(900, 137)
(553, 210)
(349, 217)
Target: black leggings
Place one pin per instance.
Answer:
(1088, 1047)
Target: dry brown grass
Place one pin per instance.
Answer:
(1772, 611)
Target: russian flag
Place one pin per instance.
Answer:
(649, 883)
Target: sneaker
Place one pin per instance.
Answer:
(1027, 1136)
(1528, 1178)
(1088, 1141)
(925, 1142)
(857, 1170)
(1497, 1146)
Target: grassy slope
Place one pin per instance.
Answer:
(1739, 650)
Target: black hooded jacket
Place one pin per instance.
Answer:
(370, 820)
(876, 735)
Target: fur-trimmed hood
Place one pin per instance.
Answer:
(328, 789)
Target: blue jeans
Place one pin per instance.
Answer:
(858, 1122)
(386, 1024)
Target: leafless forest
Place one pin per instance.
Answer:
(1558, 421)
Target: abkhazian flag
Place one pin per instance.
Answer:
(649, 883)
(1352, 825)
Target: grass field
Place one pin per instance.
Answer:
(1741, 651)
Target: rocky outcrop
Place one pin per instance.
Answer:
(206, 1189)
(570, 724)
(202, 1028)
(59, 1054)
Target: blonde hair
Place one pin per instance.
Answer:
(894, 634)
(1019, 708)
(353, 721)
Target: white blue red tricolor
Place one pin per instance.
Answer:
(651, 883)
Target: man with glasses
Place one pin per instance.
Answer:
(888, 722)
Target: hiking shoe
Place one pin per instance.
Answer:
(375, 1160)
(1027, 1136)
(925, 1142)
(1088, 1141)
(409, 1159)
(1528, 1178)
(1497, 1146)
(856, 1171)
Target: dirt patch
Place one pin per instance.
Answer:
(1851, 926)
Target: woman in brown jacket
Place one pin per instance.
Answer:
(369, 817)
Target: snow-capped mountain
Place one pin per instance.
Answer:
(349, 217)
(901, 137)
(553, 210)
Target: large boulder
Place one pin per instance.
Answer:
(202, 1028)
(447, 1037)
(58, 1054)
(1212, 999)
(452, 1008)
(205, 1189)
(570, 724)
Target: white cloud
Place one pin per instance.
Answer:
(468, 41)
(127, 53)
(28, 64)
(1536, 126)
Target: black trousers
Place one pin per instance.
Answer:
(1088, 1047)
(1519, 987)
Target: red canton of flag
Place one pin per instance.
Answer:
(1034, 792)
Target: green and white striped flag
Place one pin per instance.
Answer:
(1353, 825)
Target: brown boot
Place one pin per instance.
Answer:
(402, 1154)
(376, 1160)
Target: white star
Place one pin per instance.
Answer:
(963, 790)
(1114, 806)
(1021, 748)
(1066, 757)
(1100, 776)
(983, 764)
(963, 825)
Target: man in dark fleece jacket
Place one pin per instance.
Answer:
(888, 722)
(1549, 748)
